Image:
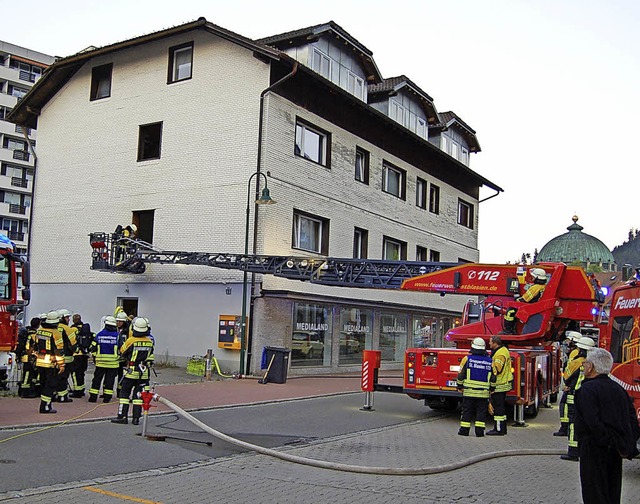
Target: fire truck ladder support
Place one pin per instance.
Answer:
(336, 466)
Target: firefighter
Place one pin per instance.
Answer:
(27, 351)
(50, 359)
(572, 351)
(123, 326)
(84, 337)
(70, 348)
(136, 351)
(105, 352)
(501, 367)
(476, 381)
(532, 294)
(119, 236)
(573, 376)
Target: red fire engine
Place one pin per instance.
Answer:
(9, 307)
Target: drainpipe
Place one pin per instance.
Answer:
(489, 197)
(255, 214)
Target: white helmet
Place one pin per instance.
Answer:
(110, 320)
(122, 317)
(53, 317)
(42, 316)
(586, 343)
(478, 344)
(140, 325)
(63, 312)
(538, 273)
(572, 336)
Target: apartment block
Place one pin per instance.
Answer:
(20, 69)
(168, 131)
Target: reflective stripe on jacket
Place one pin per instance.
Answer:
(105, 349)
(475, 376)
(501, 366)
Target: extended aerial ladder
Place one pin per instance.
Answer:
(115, 253)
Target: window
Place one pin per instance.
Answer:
(310, 233)
(421, 253)
(393, 250)
(444, 144)
(464, 155)
(362, 166)
(434, 256)
(360, 243)
(465, 214)
(16, 91)
(393, 180)
(397, 111)
(321, 63)
(101, 81)
(421, 128)
(143, 220)
(149, 141)
(434, 199)
(421, 193)
(312, 144)
(180, 62)
(311, 338)
(355, 85)
(13, 144)
(454, 150)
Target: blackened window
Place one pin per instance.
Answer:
(143, 219)
(101, 81)
(149, 141)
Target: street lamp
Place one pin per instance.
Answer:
(264, 199)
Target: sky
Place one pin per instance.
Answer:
(551, 87)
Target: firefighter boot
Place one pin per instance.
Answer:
(107, 398)
(563, 430)
(137, 413)
(45, 407)
(463, 431)
(499, 430)
(479, 431)
(123, 411)
(93, 397)
(64, 398)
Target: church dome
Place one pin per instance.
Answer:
(577, 247)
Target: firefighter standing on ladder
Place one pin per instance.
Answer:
(531, 295)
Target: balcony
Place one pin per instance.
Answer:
(15, 235)
(18, 182)
(15, 184)
(17, 209)
(21, 155)
(23, 75)
(21, 130)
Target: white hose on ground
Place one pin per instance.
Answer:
(392, 471)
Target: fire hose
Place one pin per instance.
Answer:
(336, 466)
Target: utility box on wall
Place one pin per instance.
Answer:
(229, 331)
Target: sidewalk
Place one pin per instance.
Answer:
(191, 392)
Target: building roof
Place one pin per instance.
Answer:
(575, 246)
(449, 120)
(392, 85)
(304, 36)
(26, 112)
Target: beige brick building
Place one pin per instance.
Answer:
(162, 131)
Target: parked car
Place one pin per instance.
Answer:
(307, 344)
(349, 344)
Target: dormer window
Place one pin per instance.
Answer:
(396, 112)
(321, 63)
(355, 85)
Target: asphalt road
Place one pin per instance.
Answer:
(98, 449)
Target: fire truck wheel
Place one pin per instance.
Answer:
(442, 403)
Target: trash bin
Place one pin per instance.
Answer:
(277, 373)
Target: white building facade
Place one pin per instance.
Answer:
(20, 68)
(162, 131)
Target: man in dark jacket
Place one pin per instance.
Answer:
(607, 430)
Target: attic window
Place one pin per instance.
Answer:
(101, 81)
(321, 63)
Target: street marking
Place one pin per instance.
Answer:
(120, 496)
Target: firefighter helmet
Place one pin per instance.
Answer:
(140, 325)
(538, 273)
(63, 312)
(586, 343)
(110, 320)
(53, 317)
(572, 336)
(122, 316)
(42, 316)
(478, 344)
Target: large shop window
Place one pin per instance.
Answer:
(356, 327)
(429, 331)
(393, 336)
(311, 338)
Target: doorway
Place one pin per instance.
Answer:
(129, 305)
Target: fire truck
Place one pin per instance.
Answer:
(9, 307)
(570, 299)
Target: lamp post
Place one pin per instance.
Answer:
(264, 199)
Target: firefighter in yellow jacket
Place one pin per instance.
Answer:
(70, 348)
(501, 367)
(136, 351)
(476, 381)
(573, 377)
(50, 359)
(572, 352)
